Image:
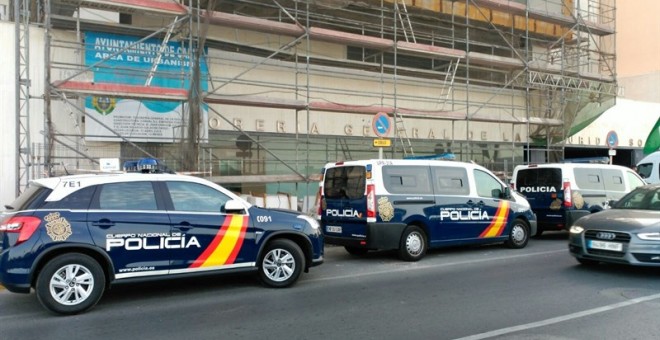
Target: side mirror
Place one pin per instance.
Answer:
(506, 194)
(234, 207)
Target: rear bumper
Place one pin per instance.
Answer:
(550, 223)
(381, 236)
(14, 278)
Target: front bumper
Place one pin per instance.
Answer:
(636, 252)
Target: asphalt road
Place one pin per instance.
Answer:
(460, 293)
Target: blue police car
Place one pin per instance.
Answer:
(71, 237)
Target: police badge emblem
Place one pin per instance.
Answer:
(556, 204)
(385, 209)
(58, 228)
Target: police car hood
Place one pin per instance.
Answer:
(520, 199)
(276, 213)
(292, 213)
(626, 220)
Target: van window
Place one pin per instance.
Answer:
(450, 180)
(539, 177)
(344, 182)
(634, 180)
(487, 185)
(589, 179)
(613, 180)
(644, 170)
(407, 179)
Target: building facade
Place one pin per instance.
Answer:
(259, 95)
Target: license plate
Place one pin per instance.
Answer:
(333, 229)
(611, 246)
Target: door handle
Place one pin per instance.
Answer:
(184, 226)
(103, 223)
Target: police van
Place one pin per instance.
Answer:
(649, 168)
(414, 205)
(560, 193)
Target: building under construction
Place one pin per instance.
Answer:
(259, 94)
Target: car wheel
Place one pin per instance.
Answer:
(519, 234)
(281, 264)
(413, 244)
(587, 262)
(70, 284)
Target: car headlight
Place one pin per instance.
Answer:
(312, 222)
(576, 229)
(649, 236)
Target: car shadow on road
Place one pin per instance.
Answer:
(618, 270)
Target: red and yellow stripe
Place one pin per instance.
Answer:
(225, 245)
(498, 223)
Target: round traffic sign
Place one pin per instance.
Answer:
(381, 124)
(612, 139)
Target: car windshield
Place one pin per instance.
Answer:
(645, 198)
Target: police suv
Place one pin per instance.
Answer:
(412, 205)
(70, 237)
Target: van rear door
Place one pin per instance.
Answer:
(542, 186)
(344, 207)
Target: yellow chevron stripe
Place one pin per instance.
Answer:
(224, 249)
(499, 220)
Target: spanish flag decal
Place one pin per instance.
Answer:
(498, 223)
(225, 245)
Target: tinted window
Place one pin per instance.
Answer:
(407, 179)
(589, 179)
(31, 198)
(76, 200)
(487, 185)
(613, 180)
(644, 170)
(537, 177)
(127, 196)
(450, 180)
(344, 182)
(188, 196)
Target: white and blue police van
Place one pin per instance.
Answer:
(561, 193)
(414, 205)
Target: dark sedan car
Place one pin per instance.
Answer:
(629, 233)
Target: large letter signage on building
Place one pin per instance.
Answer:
(121, 59)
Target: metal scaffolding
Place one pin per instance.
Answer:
(546, 66)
